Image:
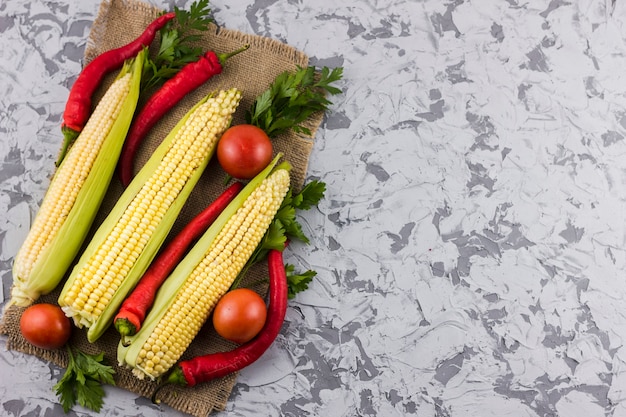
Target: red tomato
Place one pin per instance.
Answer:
(244, 150)
(239, 315)
(45, 326)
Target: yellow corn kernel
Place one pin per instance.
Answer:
(210, 279)
(67, 181)
(112, 257)
(76, 191)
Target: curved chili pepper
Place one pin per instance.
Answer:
(134, 309)
(78, 106)
(215, 365)
(190, 77)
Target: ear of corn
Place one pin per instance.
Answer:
(187, 297)
(76, 191)
(129, 238)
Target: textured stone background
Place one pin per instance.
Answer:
(471, 247)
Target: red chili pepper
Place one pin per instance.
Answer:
(78, 106)
(215, 365)
(134, 308)
(190, 77)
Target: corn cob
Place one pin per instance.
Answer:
(130, 236)
(188, 296)
(76, 191)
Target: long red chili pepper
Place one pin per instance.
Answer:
(190, 77)
(134, 308)
(78, 106)
(215, 365)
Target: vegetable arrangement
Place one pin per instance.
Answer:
(215, 365)
(190, 77)
(76, 192)
(78, 187)
(159, 299)
(78, 106)
(134, 309)
(127, 240)
(173, 54)
(289, 101)
(187, 297)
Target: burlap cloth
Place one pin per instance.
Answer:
(118, 22)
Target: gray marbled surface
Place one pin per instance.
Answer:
(471, 247)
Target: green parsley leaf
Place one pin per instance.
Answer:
(286, 215)
(90, 394)
(169, 41)
(310, 195)
(82, 381)
(79, 375)
(64, 388)
(275, 237)
(176, 44)
(285, 226)
(95, 368)
(197, 16)
(297, 282)
(292, 98)
(288, 102)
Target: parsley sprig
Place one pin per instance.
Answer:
(285, 220)
(82, 381)
(285, 226)
(292, 98)
(297, 282)
(288, 102)
(176, 43)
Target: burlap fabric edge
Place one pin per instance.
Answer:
(267, 55)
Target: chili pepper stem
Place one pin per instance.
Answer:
(125, 328)
(69, 136)
(175, 377)
(153, 398)
(223, 57)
